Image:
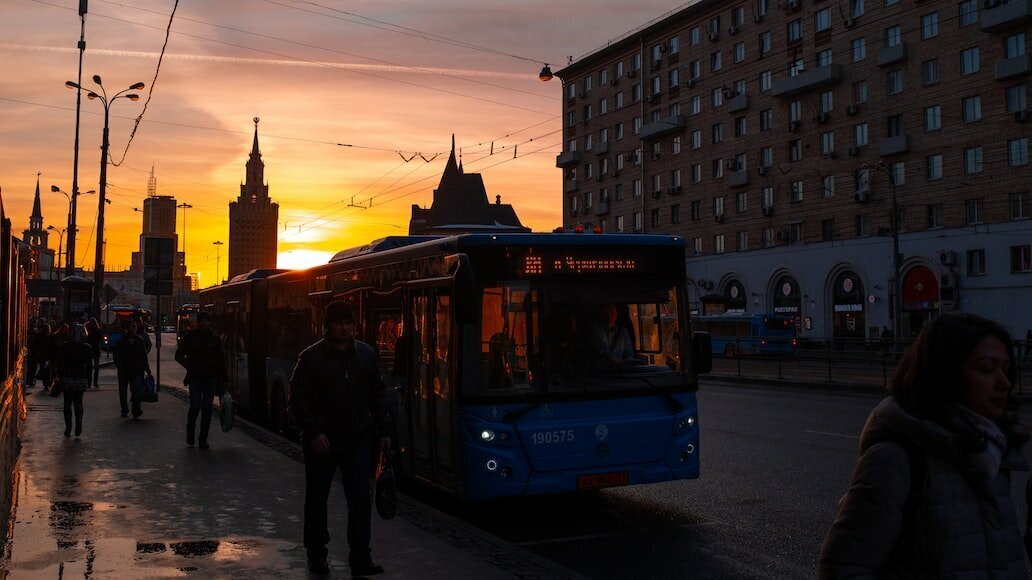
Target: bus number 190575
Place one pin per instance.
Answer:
(550, 437)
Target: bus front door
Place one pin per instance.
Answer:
(430, 392)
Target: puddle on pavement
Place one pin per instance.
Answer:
(73, 539)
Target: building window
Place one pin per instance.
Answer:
(893, 36)
(1017, 98)
(674, 78)
(796, 193)
(795, 31)
(657, 184)
(675, 146)
(973, 211)
(657, 85)
(795, 150)
(695, 105)
(828, 186)
(856, 8)
(636, 61)
(768, 237)
(973, 160)
(766, 156)
(894, 126)
(972, 109)
(675, 213)
(768, 196)
(1021, 259)
(827, 142)
(766, 119)
(636, 128)
(1017, 152)
(969, 61)
(743, 241)
(827, 102)
(822, 20)
(718, 206)
(636, 188)
(675, 45)
(795, 111)
(718, 169)
(655, 218)
(933, 118)
(930, 72)
(828, 230)
(637, 221)
(929, 26)
(933, 215)
(894, 82)
(766, 79)
(765, 43)
(618, 131)
(860, 92)
(933, 167)
(795, 232)
(603, 106)
(717, 97)
(739, 52)
(718, 244)
(741, 201)
(859, 49)
(697, 246)
(740, 127)
(636, 93)
(796, 67)
(1014, 46)
(976, 262)
(717, 132)
(1020, 205)
(697, 173)
(694, 36)
(619, 224)
(716, 61)
(696, 210)
(968, 12)
(824, 58)
(618, 191)
(860, 134)
(860, 226)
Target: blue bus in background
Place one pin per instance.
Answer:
(749, 334)
(483, 341)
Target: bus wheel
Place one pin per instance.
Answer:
(730, 350)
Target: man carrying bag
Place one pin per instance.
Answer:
(200, 353)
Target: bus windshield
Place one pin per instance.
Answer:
(566, 336)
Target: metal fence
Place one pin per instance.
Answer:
(843, 361)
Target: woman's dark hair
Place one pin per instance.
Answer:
(927, 382)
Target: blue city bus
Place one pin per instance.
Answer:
(186, 319)
(114, 317)
(483, 341)
(749, 334)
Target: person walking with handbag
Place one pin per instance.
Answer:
(200, 353)
(338, 398)
(131, 361)
(931, 494)
(74, 363)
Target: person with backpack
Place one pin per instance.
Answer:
(200, 353)
(930, 495)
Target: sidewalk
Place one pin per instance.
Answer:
(129, 499)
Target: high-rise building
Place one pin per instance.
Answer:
(252, 219)
(778, 137)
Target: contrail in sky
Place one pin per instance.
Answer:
(281, 62)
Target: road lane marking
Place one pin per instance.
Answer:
(832, 434)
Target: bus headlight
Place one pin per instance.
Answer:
(487, 435)
(687, 453)
(684, 423)
(491, 465)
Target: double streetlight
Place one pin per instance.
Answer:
(72, 228)
(98, 279)
(60, 242)
(897, 284)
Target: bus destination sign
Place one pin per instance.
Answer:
(536, 265)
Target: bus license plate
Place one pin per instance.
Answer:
(599, 480)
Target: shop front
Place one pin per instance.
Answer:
(920, 299)
(787, 299)
(734, 291)
(847, 299)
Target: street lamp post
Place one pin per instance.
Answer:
(897, 259)
(70, 261)
(98, 264)
(218, 248)
(60, 243)
(71, 227)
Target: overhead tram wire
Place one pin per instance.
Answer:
(318, 64)
(335, 51)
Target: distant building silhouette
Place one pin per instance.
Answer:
(252, 219)
(461, 206)
(37, 238)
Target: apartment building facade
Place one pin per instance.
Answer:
(777, 137)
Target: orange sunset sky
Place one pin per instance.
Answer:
(317, 73)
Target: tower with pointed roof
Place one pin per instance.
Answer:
(252, 219)
(36, 235)
(460, 205)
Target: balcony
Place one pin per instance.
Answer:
(819, 77)
(894, 146)
(567, 158)
(738, 103)
(740, 178)
(892, 54)
(663, 126)
(1013, 67)
(1004, 16)
(569, 186)
(603, 208)
(600, 148)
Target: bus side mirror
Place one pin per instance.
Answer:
(702, 352)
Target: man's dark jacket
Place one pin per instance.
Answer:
(338, 393)
(200, 353)
(131, 355)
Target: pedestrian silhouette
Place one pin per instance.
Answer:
(200, 353)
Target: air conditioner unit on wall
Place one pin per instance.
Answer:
(852, 109)
(861, 196)
(733, 30)
(947, 258)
